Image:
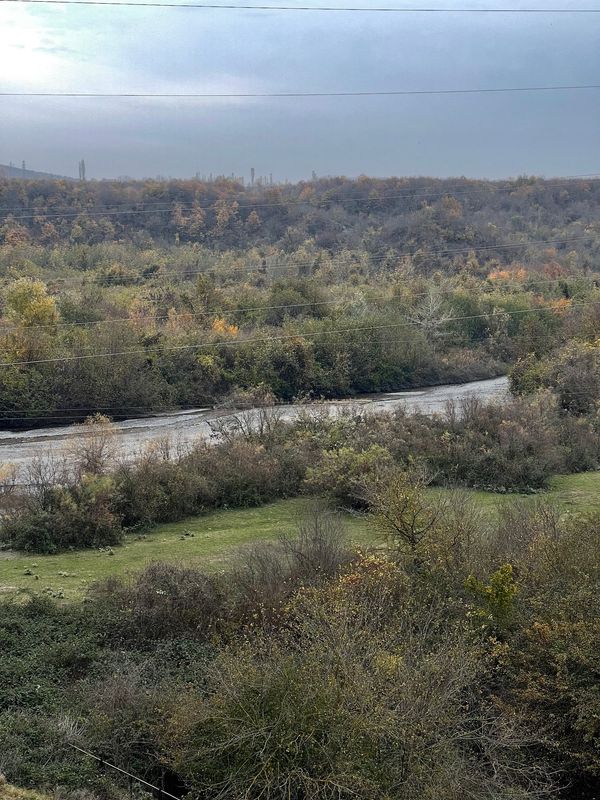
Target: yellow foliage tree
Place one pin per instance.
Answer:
(223, 328)
(28, 303)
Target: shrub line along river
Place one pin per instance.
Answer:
(182, 428)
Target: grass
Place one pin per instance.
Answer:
(210, 541)
(580, 492)
(207, 542)
(8, 792)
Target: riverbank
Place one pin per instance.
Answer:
(22, 448)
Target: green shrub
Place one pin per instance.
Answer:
(366, 692)
(345, 473)
(81, 515)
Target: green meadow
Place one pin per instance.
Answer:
(210, 541)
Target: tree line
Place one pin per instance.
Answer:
(421, 214)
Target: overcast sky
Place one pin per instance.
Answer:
(61, 48)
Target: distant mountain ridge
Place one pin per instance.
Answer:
(7, 171)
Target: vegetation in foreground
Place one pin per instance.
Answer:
(463, 657)
(210, 542)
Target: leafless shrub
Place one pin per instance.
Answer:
(268, 572)
(9, 489)
(520, 523)
(161, 602)
(70, 728)
(463, 547)
(93, 451)
(319, 546)
(253, 424)
(45, 471)
(157, 450)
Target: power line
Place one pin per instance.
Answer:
(308, 304)
(174, 204)
(411, 392)
(283, 337)
(275, 95)
(156, 790)
(100, 281)
(380, 9)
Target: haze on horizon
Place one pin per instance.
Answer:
(61, 48)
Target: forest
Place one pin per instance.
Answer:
(455, 653)
(155, 296)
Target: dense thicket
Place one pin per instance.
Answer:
(328, 288)
(460, 658)
(70, 349)
(333, 213)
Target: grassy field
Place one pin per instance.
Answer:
(207, 542)
(210, 541)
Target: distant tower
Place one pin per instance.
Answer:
(82, 170)
(252, 176)
(23, 167)
(314, 175)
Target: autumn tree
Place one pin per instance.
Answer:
(405, 514)
(28, 303)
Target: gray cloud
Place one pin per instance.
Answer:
(97, 49)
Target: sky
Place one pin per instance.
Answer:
(58, 48)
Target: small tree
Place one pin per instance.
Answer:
(404, 513)
(93, 453)
(29, 304)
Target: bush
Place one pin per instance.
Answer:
(159, 490)
(75, 516)
(354, 698)
(166, 601)
(162, 601)
(554, 659)
(511, 446)
(268, 573)
(345, 473)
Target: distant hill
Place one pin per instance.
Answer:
(28, 174)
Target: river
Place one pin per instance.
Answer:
(184, 427)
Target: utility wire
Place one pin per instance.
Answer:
(409, 393)
(283, 337)
(171, 205)
(100, 281)
(156, 790)
(275, 95)
(239, 7)
(223, 312)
